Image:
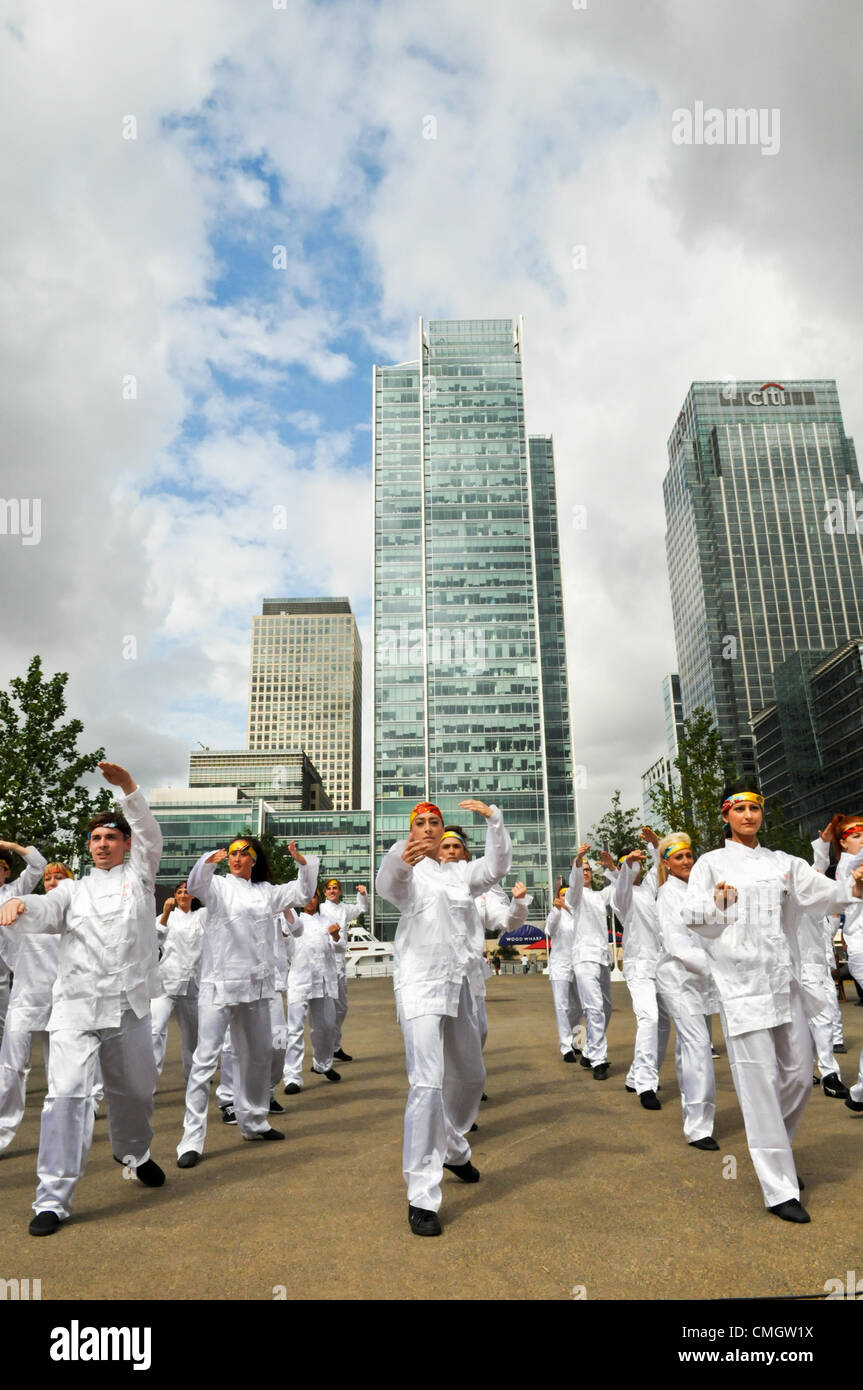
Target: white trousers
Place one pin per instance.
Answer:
(821, 1031)
(322, 1027)
(341, 1010)
(129, 1078)
(482, 1020)
(772, 1072)
(567, 1012)
(446, 1077)
(693, 1063)
(14, 1069)
(5, 991)
(836, 1016)
(653, 1026)
(186, 1008)
(593, 982)
(278, 1024)
(857, 1088)
(251, 1038)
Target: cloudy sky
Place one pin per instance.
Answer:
(164, 387)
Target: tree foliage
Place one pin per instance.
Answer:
(705, 766)
(41, 800)
(617, 830)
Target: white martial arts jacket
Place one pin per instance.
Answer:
(314, 959)
(589, 908)
(752, 944)
(852, 927)
(343, 913)
(683, 975)
(238, 957)
(109, 958)
(495, 910)
(33, 958)
(635, 905)
(181, 940)
(282, 936)
(435, 946)
(560, 929)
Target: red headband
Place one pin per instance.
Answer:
(422, 806)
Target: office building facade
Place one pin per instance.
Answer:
(470, 693)
(757, 565)
(305, 688)
(285, 776)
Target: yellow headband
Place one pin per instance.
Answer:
(243, 844)
(453, 835)
(332, 883)
(743, 796)
(675, 848)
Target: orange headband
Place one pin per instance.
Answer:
(422, 806)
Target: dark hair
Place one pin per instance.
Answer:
(261, 869)
(113, 820)
(184, 883)
(743, 784)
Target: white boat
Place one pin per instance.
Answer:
(362, 946)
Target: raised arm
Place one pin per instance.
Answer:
(575, 891)
(517, 907)
(200, 882)
(35, 867)
(815, 892)
(494, 864)
(146, 849)
(621, 892)
(297, 893)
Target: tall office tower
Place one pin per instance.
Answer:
(305, 688)
(758, 566)
(663, 770)
(470, 665)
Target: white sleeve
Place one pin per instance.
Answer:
(45, 912)
(820, 855)
(394, 880)
(146, 851)
(26, 882)
(299, 891)
(517, 911)
(495, 863)
(575, 891)
(199, 883)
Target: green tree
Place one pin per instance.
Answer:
(779, 833)
(616, 831)
(705, 766)
(41, 800)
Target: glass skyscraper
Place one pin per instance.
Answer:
(470, 694)
(758, 566)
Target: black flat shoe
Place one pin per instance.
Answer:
(708, 1143)
(856, 1105)
(228, 1116)
(839, 1047)
(275, 1107)
(188, 1159)
(293, 1089)
(570, 1056)
(342, 1056)
(483, 1096)
(584, 1062)
(834, 1087)
(270, 1134)
(150, 1174)
(422, 1222)
(44, 1223)
(630, 1089)
(791, 1211)
(465, 1171)
(600, 1072)
(650, 1100)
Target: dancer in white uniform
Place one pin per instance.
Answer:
(237, 983)
(313, 991)
(181, 937)
(740, 900)
(332, 909)
(634, 903)
(282, 937)
(685, 986)
(101, 1005)
(847, 835)
(560, 930)
(437, 979)
(591, 955)
(14, 888)
(34, 958)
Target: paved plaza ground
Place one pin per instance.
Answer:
(581, 1188)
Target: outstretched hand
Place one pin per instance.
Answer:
(519, 889)
(11, 911)
(217, 856)
(478, 806)
(118, 777)
(295, 853)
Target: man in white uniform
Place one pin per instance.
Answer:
(590, 955)
(181, 936)
(437, 980)
(313, 991)
(34, 959)
(107, 974)
(332, 909)
(635, 905)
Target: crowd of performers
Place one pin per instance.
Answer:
(743, 931)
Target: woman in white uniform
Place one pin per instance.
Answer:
(741, 900)
(238, 983)
(634, 902)
(560, 930)
(591, 955)
(685, 986)
(14, 888)
(437, 979)
(332, 909)
(313, 992)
